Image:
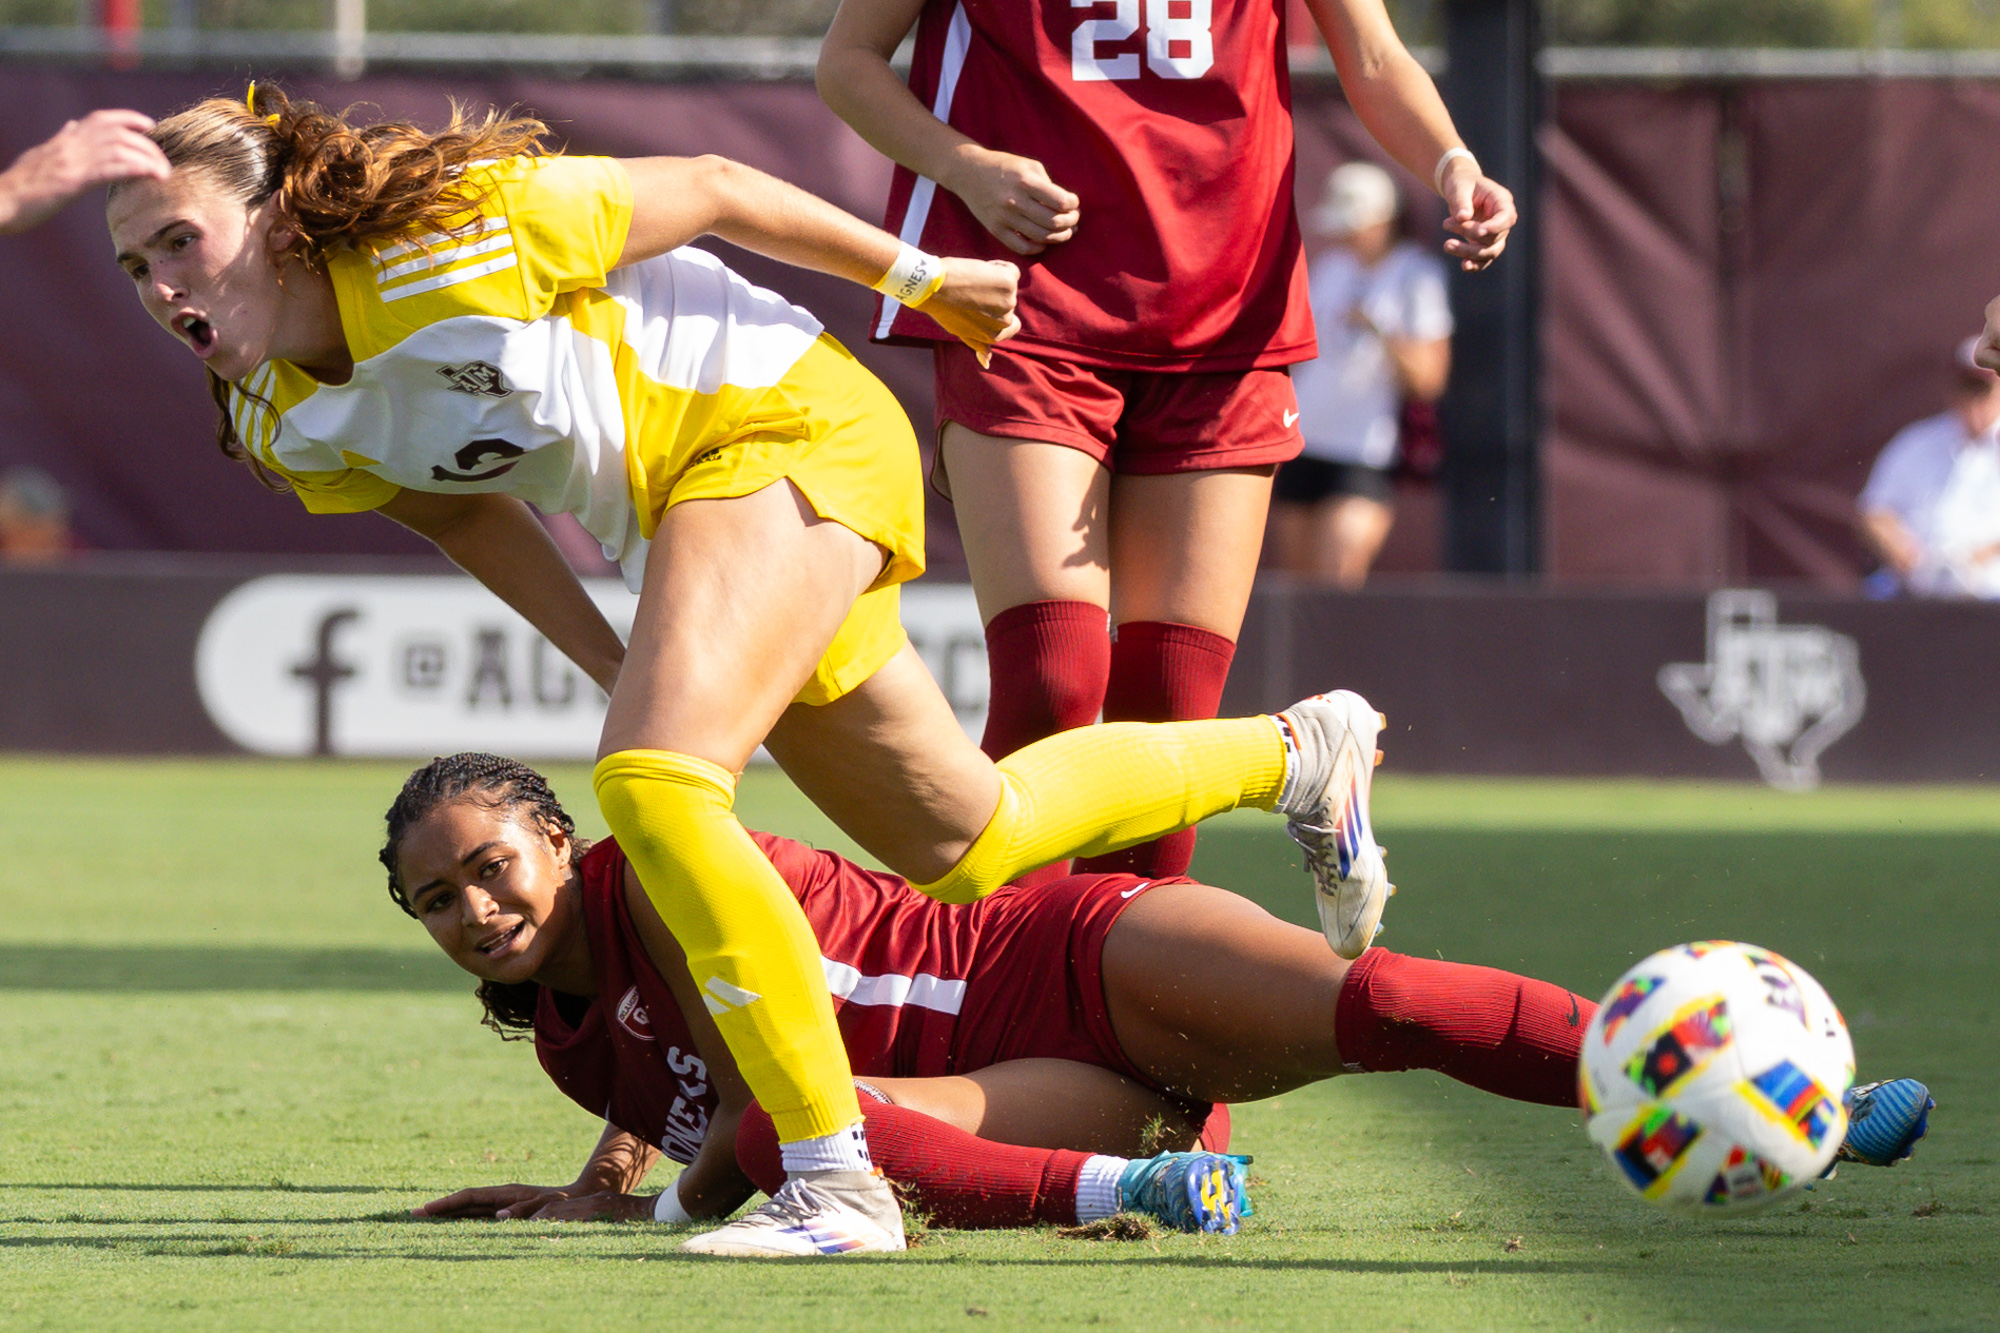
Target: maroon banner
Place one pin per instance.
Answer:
(222, 654)
(1750, 289)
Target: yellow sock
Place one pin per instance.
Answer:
(748, 945)
(1096, 789)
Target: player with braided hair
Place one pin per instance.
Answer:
(504, 786)
(450, 327)
(1013, 1053)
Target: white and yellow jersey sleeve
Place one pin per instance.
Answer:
(507, 356)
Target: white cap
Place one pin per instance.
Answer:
(1357, 195)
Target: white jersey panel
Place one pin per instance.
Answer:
(695, 325)
(536, 409)
(480, 404)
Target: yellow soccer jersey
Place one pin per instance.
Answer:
(507, 357)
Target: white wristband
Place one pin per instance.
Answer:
(1437, 173)
(913, 279)
(667, 1207)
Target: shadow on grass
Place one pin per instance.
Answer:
(113, 1187)
(100, 968)
(261, 1224)
(1578, 907)
(268, 1242)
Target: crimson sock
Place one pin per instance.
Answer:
(1161, 673)
(1502, 1033)
(1048, 662)
(964, 1182)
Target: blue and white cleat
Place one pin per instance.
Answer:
(1330, 740)
(1188, 1191)
(819, 1213)
(1884, 1121)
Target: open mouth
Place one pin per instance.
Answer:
(503, 941)
(199, 333)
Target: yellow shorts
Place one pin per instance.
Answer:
(840, 436)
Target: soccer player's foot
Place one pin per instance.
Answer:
(1330, 764)
(1884, 1121)
(1188, 1191)
(819, 1212)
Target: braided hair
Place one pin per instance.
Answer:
(499, 784)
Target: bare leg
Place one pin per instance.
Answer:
(1184, 546)
(742, 597)
(1175, 970)
(1034, 519)
(1348, 534)
(1212, 997)
(889, 763)
(1051, 1104)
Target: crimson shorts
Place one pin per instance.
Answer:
(1140, 422)
(1036, 986)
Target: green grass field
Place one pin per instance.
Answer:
(230, 1067)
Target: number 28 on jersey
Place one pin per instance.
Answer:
(1178, 42)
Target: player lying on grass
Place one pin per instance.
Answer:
(448, 327)
(1023, 1059)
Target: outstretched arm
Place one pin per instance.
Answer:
(499, 541)
(1400, 105)
(103, 147)
(1892, 539)
(1011, 196)
(602, 1189)
(675, 199)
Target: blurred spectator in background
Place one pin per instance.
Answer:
(1384, 327)
(1931, 509)
(34, 516)
(102, 147)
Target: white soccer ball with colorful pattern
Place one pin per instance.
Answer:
(1712, 1077)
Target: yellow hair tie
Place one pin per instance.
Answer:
(250, 104)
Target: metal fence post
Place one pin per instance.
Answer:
(350, 38)
(1491, 413)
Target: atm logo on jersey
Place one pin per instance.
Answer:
(478, 377)
(632, 1015)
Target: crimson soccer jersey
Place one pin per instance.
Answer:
(1172, 121)
(920, 990)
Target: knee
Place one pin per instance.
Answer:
(975, 876)
(637, 787)
(989, 860)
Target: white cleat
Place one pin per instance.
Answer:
(1332, 740)
(818, 1213)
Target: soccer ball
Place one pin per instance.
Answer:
(1712, 1077)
